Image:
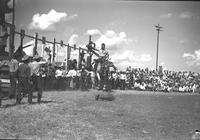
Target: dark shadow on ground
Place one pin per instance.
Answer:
(33, 103)
(11, 105)
(105, 96)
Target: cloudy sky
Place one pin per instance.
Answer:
(125, 26)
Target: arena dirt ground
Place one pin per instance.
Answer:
(75, 115)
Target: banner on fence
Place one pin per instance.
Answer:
(30, 49)
(74, 54)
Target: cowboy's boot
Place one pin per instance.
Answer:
(18, 98)
(39, 98)
(30, 98)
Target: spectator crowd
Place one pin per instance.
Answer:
(58, 78)
(151, 80)
(131, 79)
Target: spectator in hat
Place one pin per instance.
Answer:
(19, 54)
(59, 75)
(83, 78)
(36, 76)
(13, 69)
(24, 76)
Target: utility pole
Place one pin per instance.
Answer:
(158, 28)
(12, 32)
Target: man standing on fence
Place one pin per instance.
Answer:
(103, 52)
(24, 75)
(36, 76)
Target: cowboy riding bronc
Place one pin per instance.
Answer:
(102, 65)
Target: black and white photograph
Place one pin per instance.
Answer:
(99, 70)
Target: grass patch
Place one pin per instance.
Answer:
(76, 115)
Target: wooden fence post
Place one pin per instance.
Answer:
(56, 55)
(43, 45)
(79, 58)
(35, 47)
(54, 44)
(11, 41)
(22, 33)
(68, 55)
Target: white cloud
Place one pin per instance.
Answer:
(73, 39)
(186, 15)
(122, 65)
(120, 47)
(166, 16)
(143, 58)
(192, 59)
(48, 21)
(188, 56)
(73, 16)
(123, 59)
(131, 56)
(93, 32)
(111, 38)
(162, 63)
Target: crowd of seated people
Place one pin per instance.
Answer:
(151, 80)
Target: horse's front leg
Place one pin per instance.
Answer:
(98, 80)
(98, 76)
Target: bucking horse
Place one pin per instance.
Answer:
(102, 69)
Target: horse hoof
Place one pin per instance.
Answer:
(97, 97)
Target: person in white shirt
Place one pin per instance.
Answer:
(194, 88)
(59, 77)
(180, 89)
(103, 52)
(143, 86)
(72, 74)
(36, 76)
(58, 73)
(122, 81)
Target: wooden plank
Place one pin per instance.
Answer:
(5, 77)
(4, 69)
(5, 85)
(3, 89)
